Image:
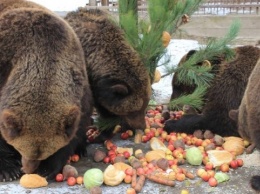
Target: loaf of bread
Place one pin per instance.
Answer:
(33, 181)
(218, 157)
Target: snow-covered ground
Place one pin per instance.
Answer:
(175, 51)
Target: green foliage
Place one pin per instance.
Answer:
(195, 99)
(164, 15)
(189, 73)
(128, 18)
(107, 123)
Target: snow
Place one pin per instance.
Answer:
(64, 5)
(175, 51)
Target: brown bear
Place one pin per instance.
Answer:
(119, 81)
(44, 91)
(225, 93)
(248, 115)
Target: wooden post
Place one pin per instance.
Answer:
(92, 2)
(104, 2)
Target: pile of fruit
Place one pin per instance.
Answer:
(212, 156)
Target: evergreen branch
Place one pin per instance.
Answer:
(106, 123)
(195, 100)
(189, 73)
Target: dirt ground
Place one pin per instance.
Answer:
(238, 183)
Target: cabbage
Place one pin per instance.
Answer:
(221, 177)
(93, 177)
(194, 156)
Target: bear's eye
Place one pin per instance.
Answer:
(69, 129)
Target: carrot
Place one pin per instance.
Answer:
(162, 181)
(134, 176)
(188, 174)
(140, 183)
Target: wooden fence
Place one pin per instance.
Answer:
(210, 7)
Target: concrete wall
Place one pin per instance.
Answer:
(217, 26)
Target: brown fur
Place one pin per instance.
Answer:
(248, 115)
(44, 90)
(224, 94)
(119, 80)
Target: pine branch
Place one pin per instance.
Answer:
(195, 100)
(107, 123)
(189, 73)
(128, 20)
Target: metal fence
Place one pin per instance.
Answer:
(210, 7)
(225, 7)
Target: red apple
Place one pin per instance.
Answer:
(233, 164)
(205, 176)
(240, 162)
(213, 182)
(59, 177)
(106, 160)
(170, 147)
(124, 136)
(75, 158)
(111, 152)
(145, 138)
(129, 171)
(126, 154)
(209, 166)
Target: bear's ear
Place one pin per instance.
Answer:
(72, 119)
(11, 125)
(233, 114)
(206, 63)
(120, 89)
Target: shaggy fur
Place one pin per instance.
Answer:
(248, 115)
(119, 80)
(44, 90)
(225, 93)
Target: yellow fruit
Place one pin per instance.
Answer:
(166, 38)
(184, 191)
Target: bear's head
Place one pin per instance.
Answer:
(119, 98)
(38, 134)
(119, 80)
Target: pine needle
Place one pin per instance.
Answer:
(107, 123)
